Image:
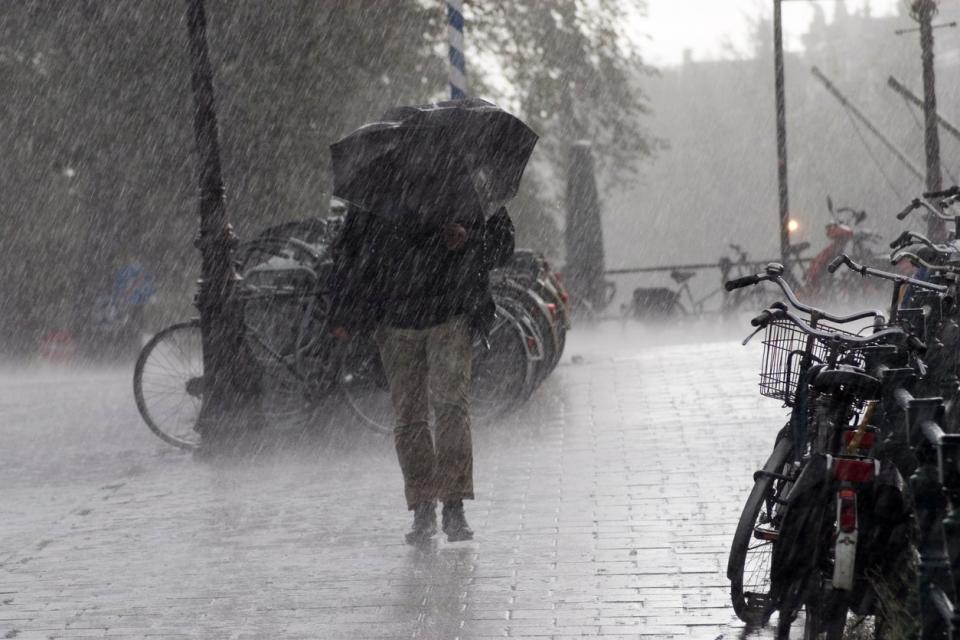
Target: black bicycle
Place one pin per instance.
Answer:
(807, 538)
(283, 304)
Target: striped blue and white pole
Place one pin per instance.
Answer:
(458, 64)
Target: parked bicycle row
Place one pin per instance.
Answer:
(299, 371)
(845, 233)
(855, 511)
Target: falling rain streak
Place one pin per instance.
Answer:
(409, 318)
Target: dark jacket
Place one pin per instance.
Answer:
(404, 276)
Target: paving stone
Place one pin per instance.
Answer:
(604, 508)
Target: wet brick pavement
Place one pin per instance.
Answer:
(605, 509)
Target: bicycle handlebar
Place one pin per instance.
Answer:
(910, 237)
(774, 273)
(917, 261)
(916, 203)
(761, 320)
(781, 313)
(739, 283)
(864, 270)
(836, 262)
(767, 314)
(943, 193)
(910, 207)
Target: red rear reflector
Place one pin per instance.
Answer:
(847, 515)
(867, 439)
(849, 470)
(565, 297)
(531, 342)
(553, 310)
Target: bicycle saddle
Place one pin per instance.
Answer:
(681, 276)
(850, 378)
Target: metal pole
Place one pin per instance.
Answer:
(458, 64)
(866, 122)
(784, 216)
(220, 335)
(923, 11)
(911, 97)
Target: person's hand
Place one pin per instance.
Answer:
(455, 236)
(341, 333)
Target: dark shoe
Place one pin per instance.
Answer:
(424, 523)
(455, 523)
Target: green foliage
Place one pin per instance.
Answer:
(574, 73)
(96, 122)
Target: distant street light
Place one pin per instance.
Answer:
(783, 219)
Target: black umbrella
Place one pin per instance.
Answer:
(433, 163)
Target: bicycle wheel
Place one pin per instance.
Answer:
(533, 345)
(168, 383)
(558, 320)
(748, 567)
(364, 387)
(283, 328)
(547, 330)
(503, 373)
(824, 620)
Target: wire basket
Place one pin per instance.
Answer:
(784, 346)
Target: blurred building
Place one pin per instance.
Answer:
(716, 184)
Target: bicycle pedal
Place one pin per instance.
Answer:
(769, 535)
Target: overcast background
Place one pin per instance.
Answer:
(713, 29)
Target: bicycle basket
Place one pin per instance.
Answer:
(784, 346)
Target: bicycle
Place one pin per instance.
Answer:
(844, 234)
(937, 262)
(731, 269)
(823, 473)
(533, 272)
(935, 210)
(660, 303)
(928, 452)
(283, 304)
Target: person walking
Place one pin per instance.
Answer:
(424, 292)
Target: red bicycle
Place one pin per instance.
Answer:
(845, 237)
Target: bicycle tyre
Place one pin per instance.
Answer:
(156, 375)
(751, 606)
(535, 309)
(533, 350)
(505, 365)
(559, 318)
(362, 414)
(824, 623)
(363, 385)
(369, 401)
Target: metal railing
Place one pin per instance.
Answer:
(752, 264)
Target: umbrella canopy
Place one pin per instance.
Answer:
(433, 163)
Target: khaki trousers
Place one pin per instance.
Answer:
(431, 368)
